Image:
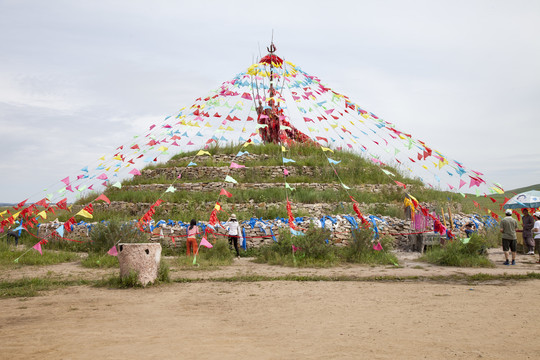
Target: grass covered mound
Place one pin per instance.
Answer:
(185, 203)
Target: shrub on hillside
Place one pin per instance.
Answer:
(104, 235)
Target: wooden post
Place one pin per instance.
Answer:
(450, 216)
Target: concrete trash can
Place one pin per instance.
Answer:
(144, 258)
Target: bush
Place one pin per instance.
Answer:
(456, 253)
(103, 236)
(360, 249)
(312, 249)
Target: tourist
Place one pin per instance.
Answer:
(536, 231)
(528, 224)
(509, 226)
(191, 242)
(469, 229)
(233, 228)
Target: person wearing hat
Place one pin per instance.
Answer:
(509, 226)
(233, 228)
(528, 224)
(536, 232)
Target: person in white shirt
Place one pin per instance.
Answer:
(233, 228)
(536, 232)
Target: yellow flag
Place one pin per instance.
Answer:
(117, 157)
(84, 213)
(102, 158)
(16, 215)
(43, 214)
(326, 149)
(283, 148)
(202, 152)
(217, 207)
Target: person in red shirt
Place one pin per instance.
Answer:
(191, 242)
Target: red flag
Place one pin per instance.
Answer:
(213, 218)
(62, 204)
(291, 217)
(360, 216)
(104, 198)
(400, 184)
(67, 224)
(224, 192)
(21, 204)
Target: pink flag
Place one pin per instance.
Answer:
(190, 143)
(225, 192)
(102, 177)
(377, 247)
(285, 171)
(112, 251)
(135, 172)
(205, 243)
(175, 144)
(450, 186)
(38, 247)
(461, 183)
(69, 188)
(91, 187)
(237, 166)
(66, 180)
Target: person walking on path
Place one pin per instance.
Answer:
(191, 242)
(233, 228)
(509, 226)
(536, 232)
(528, 224)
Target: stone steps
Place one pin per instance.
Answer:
(216, 186)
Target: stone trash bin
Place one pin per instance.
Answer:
(143, 258)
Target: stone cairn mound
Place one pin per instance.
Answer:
(261, 232)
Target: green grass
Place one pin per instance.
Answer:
(455, 253)
(8, 255)
(219, 255)
(96, 260)
(29, 287)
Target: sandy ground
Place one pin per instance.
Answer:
(279, 319)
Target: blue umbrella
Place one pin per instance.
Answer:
(527, 199)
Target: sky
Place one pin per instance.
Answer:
(78, 79)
